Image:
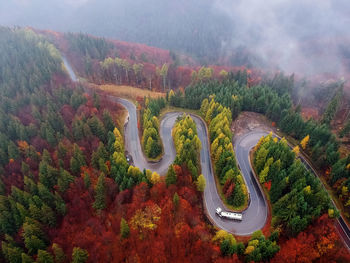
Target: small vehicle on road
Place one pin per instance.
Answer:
(229, 215)
(129, 158)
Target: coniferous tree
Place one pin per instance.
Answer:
(58, 252)
(170, 176)
(79, 255)
(44, 257)
(100, 193)
(124, 229)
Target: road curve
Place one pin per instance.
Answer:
(254, 217)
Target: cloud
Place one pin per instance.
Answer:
(284, 31)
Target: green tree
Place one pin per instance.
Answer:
(260, 159)
(33, 236)
(124, 229)
(87, 180)
(170, 176)
(44, 257)
(176, 200)
(201, 183)
(12, 253)
(100, 193)
(238, 196)
(79, 255)
(48, 216)
(60, 257)
(77, 160)
(13, 152)
(26, 258)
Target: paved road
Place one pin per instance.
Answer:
(254, 217)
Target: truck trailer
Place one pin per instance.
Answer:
(228, 215)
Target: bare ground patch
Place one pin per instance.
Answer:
(248, 121)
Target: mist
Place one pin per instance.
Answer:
(297, 36)
(304, 36)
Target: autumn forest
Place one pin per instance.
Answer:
(72, 189)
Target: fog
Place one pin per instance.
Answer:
(303, 36)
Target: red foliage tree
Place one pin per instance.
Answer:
(319, 242)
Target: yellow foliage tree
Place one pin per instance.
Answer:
(253, 243)
(146, 218)
(296, 150)
(201, 183)
(307, 189)
(249, 250)
(155, 178)
(223, 235)
(223, 73)
(304, 142)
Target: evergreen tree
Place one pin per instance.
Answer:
(238, 196)
(48, 216)
(100, 193)
(87, 180)
(77, 160)
(60, 257)
(26, 258)
(124, 229)
(170, 176)
(79, 255)
(44, 257)
(176, 200)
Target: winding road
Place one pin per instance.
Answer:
(255, 216)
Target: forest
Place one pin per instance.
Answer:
(151, 140)
(232, 185)
(297, 196)
(68, 194)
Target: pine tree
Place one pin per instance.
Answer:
(176, 200)
(238, 196)
(124, 229)
(26, 258)
(33, 236)
(60, 257)
(263, 174)
(260, 159)
(79, 255)
(48, 216)
(44, 257)
(64, 180)
(60, 205)
(170, 176)
(11, 252)
(13, 152)
(100, 193)
(87, 180)
(77, 160)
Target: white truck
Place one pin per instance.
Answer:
(228, 215)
